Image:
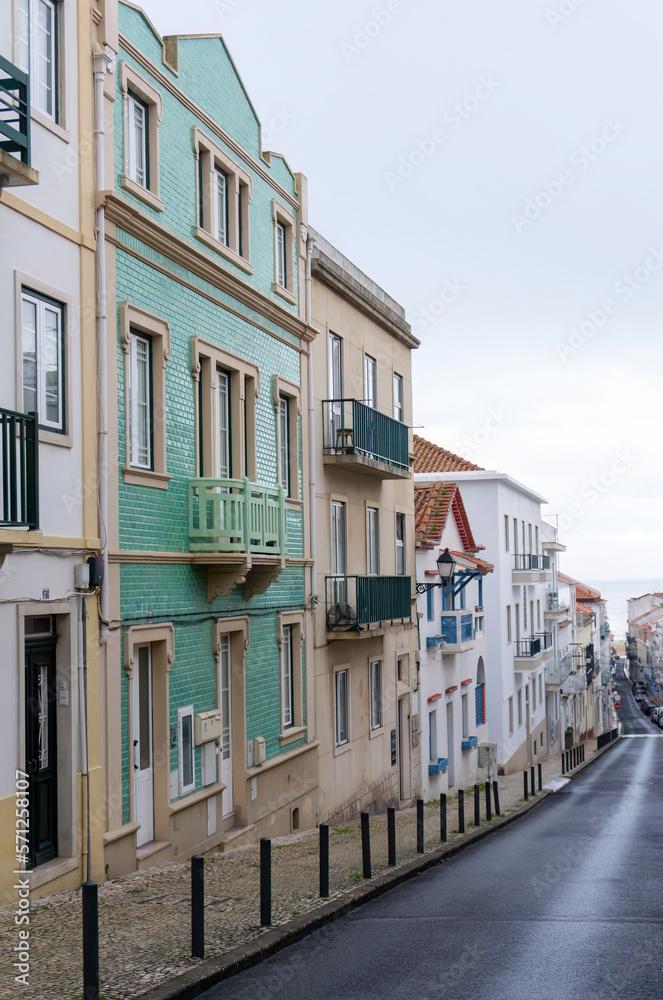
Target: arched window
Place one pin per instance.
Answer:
(480, 693)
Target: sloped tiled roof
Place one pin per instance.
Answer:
(588, 594)
(563, 578)
(433, 502)
(429, 457)
(473, 561)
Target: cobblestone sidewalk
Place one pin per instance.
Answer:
(144, 917)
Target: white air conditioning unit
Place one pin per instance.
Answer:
(487, 754)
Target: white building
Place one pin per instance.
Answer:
(455, 672)
(506, 515)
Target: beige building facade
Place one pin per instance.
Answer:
(365, 622)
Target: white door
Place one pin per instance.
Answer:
(225, 685)
(370, 381)
(372, 543)
(143, 755)
(335, 366)
(339, 595)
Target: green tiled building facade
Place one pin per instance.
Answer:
(207, 556)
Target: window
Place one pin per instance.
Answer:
(226, 427)
(186, 750)
(370, 381)
(287, 407)
(137, 140)
(479, 711)
(430, 605)
(540, 689)
(284, 444)
(281, 262)
(538, 614)
(375, 669)
(510, 714)
(506, 532)
(525, 610)
(42, 336)
(284, 253)
(508, 623)
(287, 679)
(140, 402)
(533, 693)
(517, 617)
(520, 708)
(398, 397)
(372, 542)
(38, 55)
(146, 345)
(224, 194)
(143, 109)
(529, 532)
(515, 535)
(341, 701)
(531, 615)
(536, 538)
(400, 544)
(432, 735)
(465, 716)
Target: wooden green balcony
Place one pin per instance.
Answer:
(239, 529)
(363, 438)
(358, 605)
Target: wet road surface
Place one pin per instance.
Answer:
(633, 721)
(561, 905)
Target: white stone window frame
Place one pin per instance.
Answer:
(182, 713)
(399, 513)
(283, 388)
(134, 319)
(27, 282)
(287, 219)
(294, 619)
(209, 156)
(58, 125)
(375, 730)
(130, 80)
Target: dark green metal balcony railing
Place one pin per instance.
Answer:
(530, 561)
(235, 515)
(350, 427)
(19, 460)
(528, 647)
(14, 111)
(546, 639)
(353, 601)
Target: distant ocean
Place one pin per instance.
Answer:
(617, 592)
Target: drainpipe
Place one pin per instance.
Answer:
(311, 424)
(103, 62)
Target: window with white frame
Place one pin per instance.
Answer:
(342, 705)
(400, 544)
(506, 532)
(284, 252)
(520, 707)
(398, 397)
(284, 444)
(375, 683)
(287, 410)
(186, 750)
(430, 604)
(38, 52)
(432, 735)
(370, 381)
(287, 680)
(140, 401)
(224, 194)
(465, 715)
(137, 166)
(510, 714)
(143, 109)
(42, 337)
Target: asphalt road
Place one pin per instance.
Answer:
(632, 719)
(562, 905)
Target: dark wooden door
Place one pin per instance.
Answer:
(41, 748)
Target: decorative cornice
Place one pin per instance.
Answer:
(158, 238)
(209, 123)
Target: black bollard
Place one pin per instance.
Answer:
(461, 810)
(90, 941)
(265, 882)
(197, 906)
(365, 845)
(525, 795)
(477, 805)
(489, 812)
(563, 762)
(496, 798)
(324, 859)
(540, 777)
(420, 826)
(391, 834)
(532, 781)
(443, 817)
(583, 751)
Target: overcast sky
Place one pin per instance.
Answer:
(496, 167)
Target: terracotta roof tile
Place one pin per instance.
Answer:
(432, 504)
(429, 457)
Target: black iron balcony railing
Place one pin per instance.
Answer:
(530, 561)
(528, 647)
(19, 461)
(350, 427)
(354, 601)
(14, 111)
(546, 640)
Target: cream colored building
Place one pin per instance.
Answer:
(366, 698)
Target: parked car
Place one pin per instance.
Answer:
(660, 720)
(653, 715)
(647, 707)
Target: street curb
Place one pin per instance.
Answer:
(196, 981)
